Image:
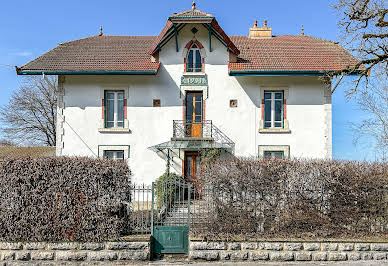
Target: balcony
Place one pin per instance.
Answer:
(200, 131)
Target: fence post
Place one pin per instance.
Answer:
(152, 209)
(188, 206)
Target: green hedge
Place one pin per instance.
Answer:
(60, 198)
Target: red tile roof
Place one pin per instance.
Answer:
(169, 25)
(191, 13)
(131, 53)
(98, 53)
(289, 53)
(14, 151)
(168, 28)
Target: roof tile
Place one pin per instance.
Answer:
(290, 53)
(131, 53)
(98, 53)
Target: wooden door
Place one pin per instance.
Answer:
(192, 166)
(194, 114)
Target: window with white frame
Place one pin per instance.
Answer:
(274, 154)
(114, 109)
(114, 155)
(194, 59)
(273, 109)
(274, 151)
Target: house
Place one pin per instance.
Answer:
(16, 151)
(159, 100)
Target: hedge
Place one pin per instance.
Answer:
(60, 198)
(293, 198)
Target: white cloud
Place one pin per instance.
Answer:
(24, 54)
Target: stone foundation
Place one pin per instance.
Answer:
(73, 251)
(287, 251)
(132, 252)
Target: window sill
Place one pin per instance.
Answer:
(114, 130)
(194, 74)
(275, 130)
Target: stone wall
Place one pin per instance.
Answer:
(73, 251)
(287, 251)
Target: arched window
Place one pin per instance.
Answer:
(194, 59)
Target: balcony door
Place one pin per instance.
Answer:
(194, 116)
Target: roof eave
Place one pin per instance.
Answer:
(285, 73)
(85, 72)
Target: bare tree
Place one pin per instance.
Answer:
(365, 35)
(374, 102)
(30, 115)
(5, 142)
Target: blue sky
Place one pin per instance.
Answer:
(30, 28)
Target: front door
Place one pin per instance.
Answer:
(192, 166)
(194, 114)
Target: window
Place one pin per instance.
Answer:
(156, 103)
(273, 109)
(194, 60)
(114, 155)
(114, 111)
(233, 103)
(274, 154)
(274, 151)
(115, 152)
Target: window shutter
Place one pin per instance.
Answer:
(203, 110)
(125, 108)
(285, 109)
(183, 112)
(262, 109)
(102, 108)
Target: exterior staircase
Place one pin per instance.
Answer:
(178, 214)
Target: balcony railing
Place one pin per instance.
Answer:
(205, 130)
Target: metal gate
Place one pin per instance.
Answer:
(170, 226)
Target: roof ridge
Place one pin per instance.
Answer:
(285, 35)
(191, 11)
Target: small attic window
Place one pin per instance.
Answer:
(156, 103)
(194, 30)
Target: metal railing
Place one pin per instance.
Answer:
(173, 202)
(201, 130)
(141, 206)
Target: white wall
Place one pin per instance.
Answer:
(310, 125)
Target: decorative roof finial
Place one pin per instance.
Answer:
(302, 31)
(255, 25)
(100, 34)
(265, 24)
(193, 5)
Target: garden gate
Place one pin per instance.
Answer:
(170, 227)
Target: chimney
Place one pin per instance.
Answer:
(263, 32)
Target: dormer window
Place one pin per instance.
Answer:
(194, 59)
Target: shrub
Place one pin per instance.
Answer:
(59, 198)
(294, 198)
(165, 188)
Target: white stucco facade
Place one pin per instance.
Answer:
(80, 123)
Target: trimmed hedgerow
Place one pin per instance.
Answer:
(293, 198)
(60, 198)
